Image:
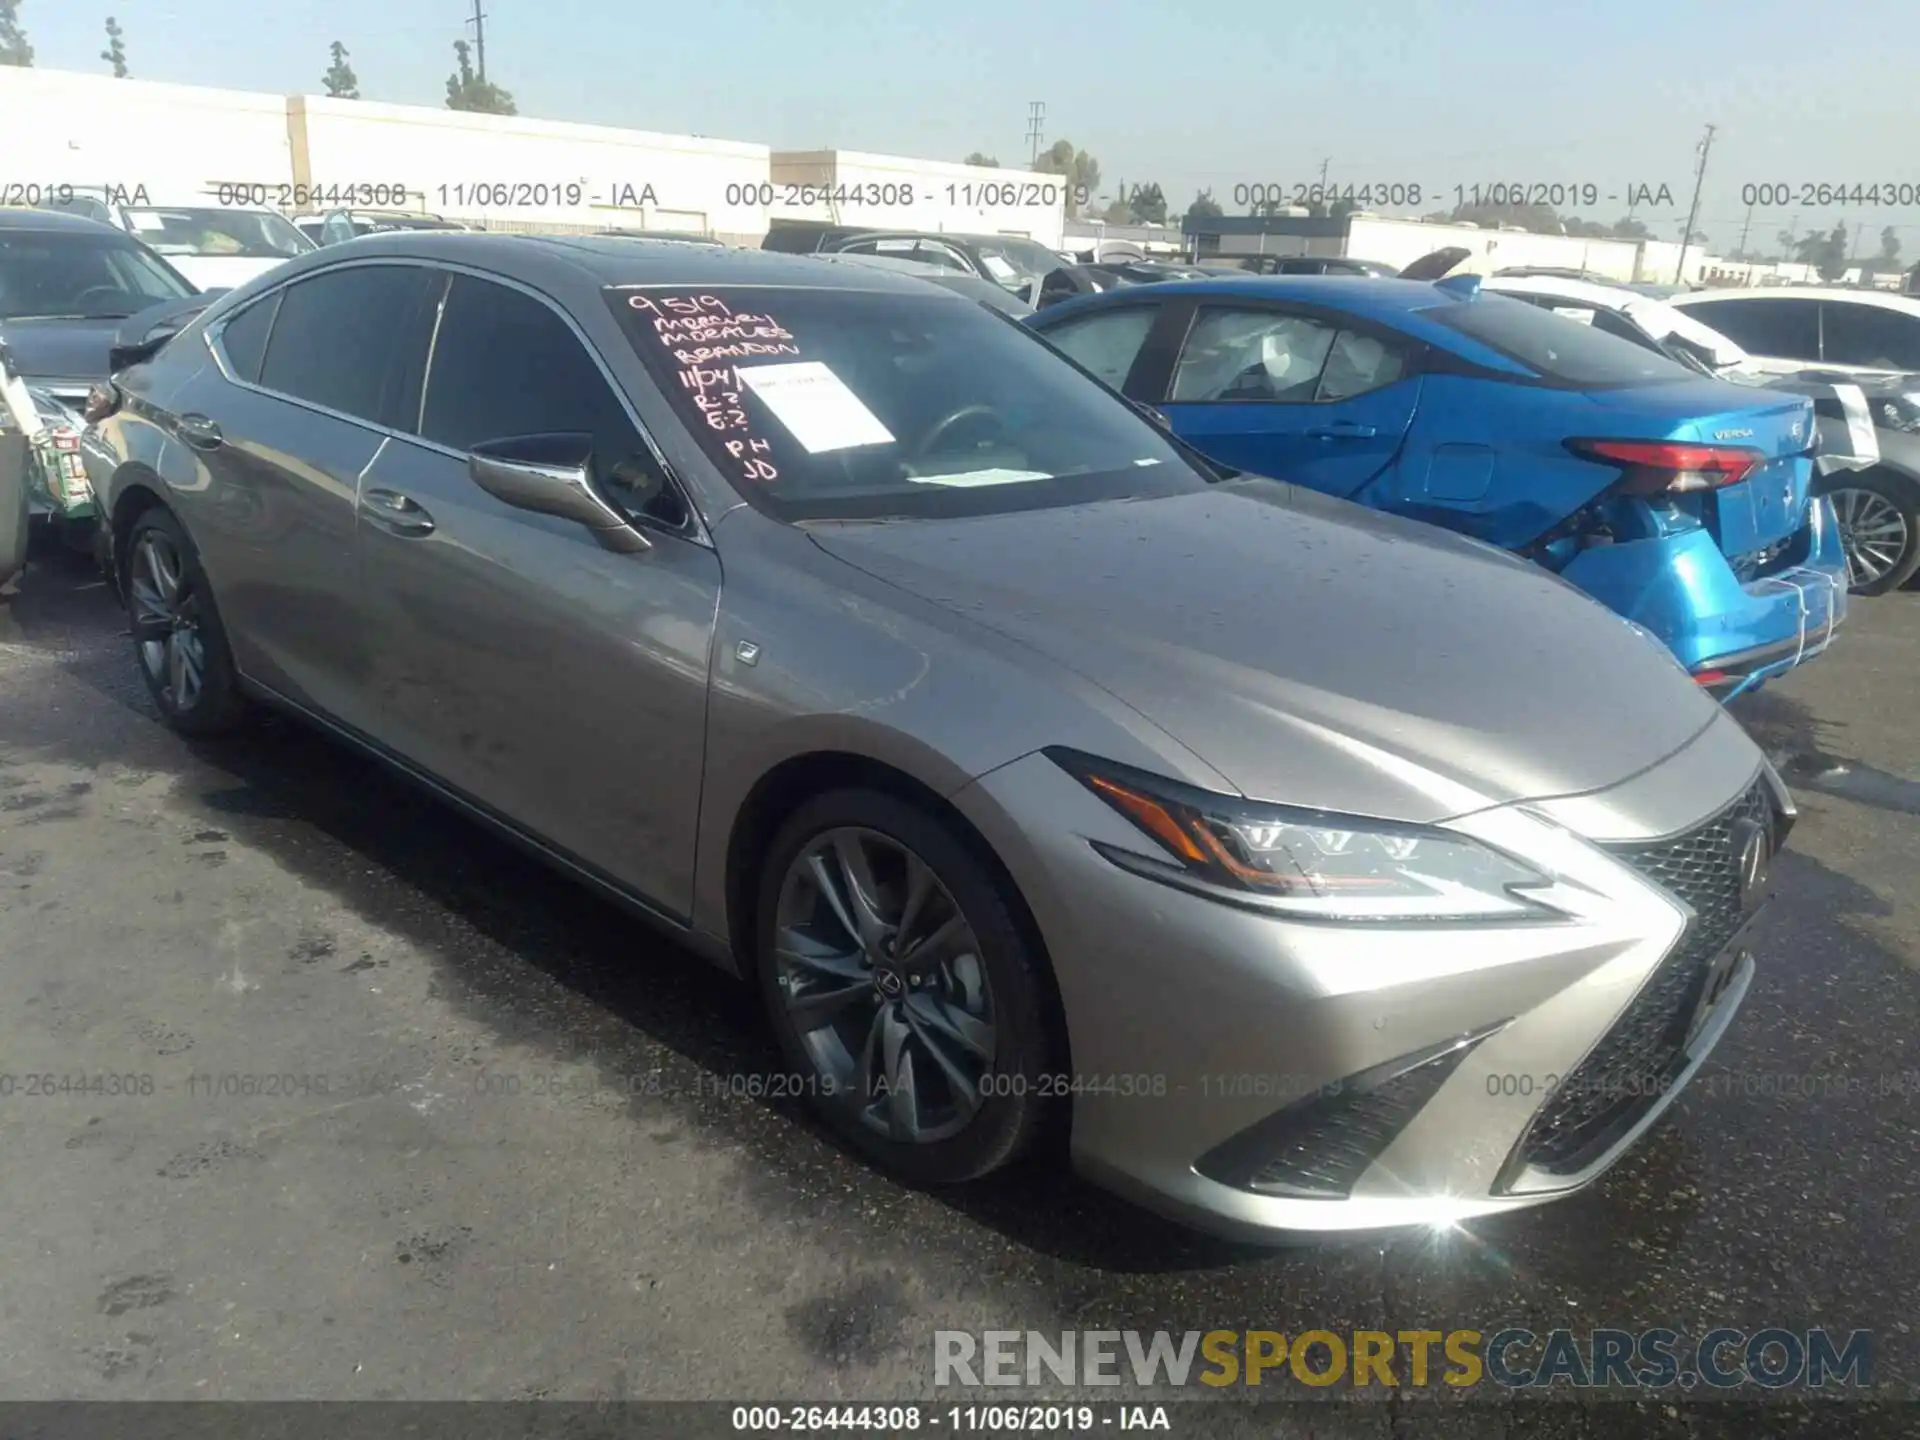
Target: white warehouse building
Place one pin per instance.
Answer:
(303, 154)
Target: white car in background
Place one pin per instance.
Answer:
(215, 246)
(1863, 331)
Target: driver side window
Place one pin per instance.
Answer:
(504, 364)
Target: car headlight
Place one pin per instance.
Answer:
(1307, 863)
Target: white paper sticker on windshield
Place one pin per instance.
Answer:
(970, 478)
(998, 268)
(147, 222)
(816, 406)
(1585, 317)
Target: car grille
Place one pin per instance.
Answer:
(1641, 1057)
(1319, 1146)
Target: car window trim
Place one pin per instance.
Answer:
(1335, 320)
(698, 528)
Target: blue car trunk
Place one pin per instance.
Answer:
(1760, 511)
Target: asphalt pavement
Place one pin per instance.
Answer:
(373, 1107)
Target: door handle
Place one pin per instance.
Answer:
(199, 432)
(1342, 430)
(396, 512)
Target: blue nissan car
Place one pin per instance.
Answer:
(1685, 504)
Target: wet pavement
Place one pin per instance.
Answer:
(373, 1107)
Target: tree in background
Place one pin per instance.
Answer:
(341, 82)
(1826, 253)
(116, 52)
(467, 91)
(976, 158)
(1204, 207)
(1080, 169)
(15, 48)
(1148, 204)
(1890, 248)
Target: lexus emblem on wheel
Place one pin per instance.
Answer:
(1753, 849)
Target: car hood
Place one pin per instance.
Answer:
(60, 349)
(1311, 651)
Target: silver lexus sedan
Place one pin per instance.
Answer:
(1304, 868)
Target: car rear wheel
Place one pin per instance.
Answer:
(903, 992)
(178, 639)
(1879, 516)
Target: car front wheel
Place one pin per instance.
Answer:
(902, 990)
(1879, 517)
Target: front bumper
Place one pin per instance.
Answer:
(1731, 635)
(1254, 1075)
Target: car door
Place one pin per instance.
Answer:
(1875, 337)
(556, 683)
(274, 436)
(1315, 399)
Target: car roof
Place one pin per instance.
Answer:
(1885, 299)
(1361, 294)
(1608, 297)
(21, 218)
(1657, 317)
(562, 261)
(900, 264)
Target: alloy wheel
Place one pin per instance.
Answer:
(166, 621)
(1873, 533)
(882, 979)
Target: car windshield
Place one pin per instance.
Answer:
(1015, 262)
(1555, 347)
(60, 275)
(849, 404)
(241, 234)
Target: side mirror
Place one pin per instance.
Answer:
(550, 475)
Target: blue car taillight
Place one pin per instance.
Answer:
(1651, 468)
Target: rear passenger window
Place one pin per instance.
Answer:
(338, 339)
(1359, 363)
(243, 339)
(506, 365)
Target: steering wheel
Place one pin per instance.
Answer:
(104, 292)
(928, 445)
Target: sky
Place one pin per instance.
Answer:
(1471, 92)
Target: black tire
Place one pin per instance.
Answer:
(1015, 1113)
(1904, 496)
(216, 705)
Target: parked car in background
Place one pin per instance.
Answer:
(955, 678)
(1013, 262)
(1836, 329)
(1872, 479)
(1684, 503)
(1316, 265)
(68, 286)
(995, 297)
(214, 246)
(337, 225)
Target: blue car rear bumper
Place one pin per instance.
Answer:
(1731, 635)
